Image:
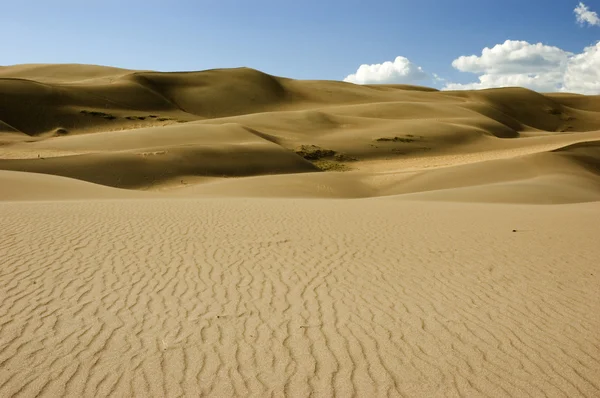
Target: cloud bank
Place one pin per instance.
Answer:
(514, 63)
(535, 66)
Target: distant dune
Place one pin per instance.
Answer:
(228, 232)
(148, 130)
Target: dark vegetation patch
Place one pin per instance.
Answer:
(96, 113)
(313, 152)
(324, 159)
(108, 116)
(406, 139)
(328, 165)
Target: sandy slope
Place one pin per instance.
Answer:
(169, 234)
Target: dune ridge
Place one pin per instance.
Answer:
(232, 233)
(80, 121)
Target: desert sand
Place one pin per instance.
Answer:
(231, 233)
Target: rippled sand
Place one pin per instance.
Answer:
(259, 297)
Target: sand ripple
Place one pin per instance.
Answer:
(298, 297)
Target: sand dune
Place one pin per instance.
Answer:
(232, 233)
(260, 120)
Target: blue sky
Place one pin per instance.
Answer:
(302, 39)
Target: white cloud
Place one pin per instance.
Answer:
(536, 66)
(583, 72)
(400, 71)
(584, 15)
(513, 57)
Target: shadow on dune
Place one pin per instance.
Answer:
(121, 128)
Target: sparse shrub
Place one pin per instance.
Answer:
(107, 116)
(397, 139)
(328, 165)
(324, 159)
(313, 152)
(95, 113)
